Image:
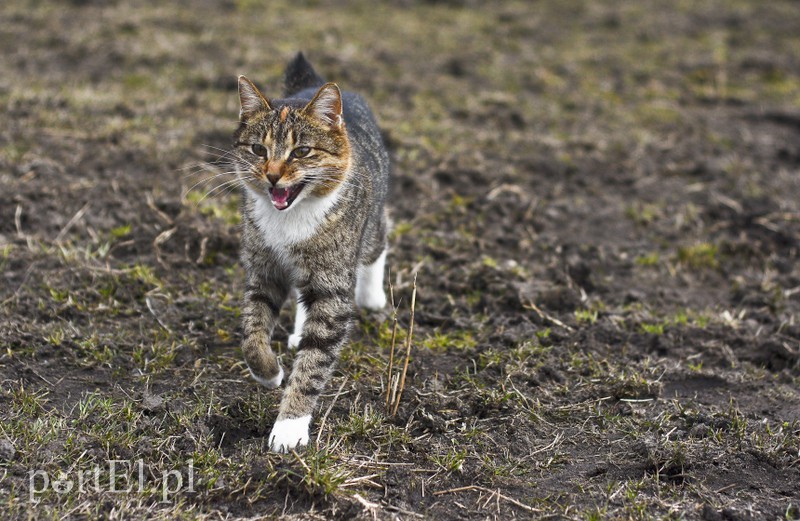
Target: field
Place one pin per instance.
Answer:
(600, 202)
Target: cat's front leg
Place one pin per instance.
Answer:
(263, 298)
(329, 317)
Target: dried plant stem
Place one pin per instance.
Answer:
(389, 395)
(300, 460)
(545, 316)
(488, 491)
(395, 383)
(324, 418)
(75, 218)
(409, 338)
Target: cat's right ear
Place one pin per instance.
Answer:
(327, 105)
(251, 99)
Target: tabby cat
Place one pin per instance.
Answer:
(315, 174)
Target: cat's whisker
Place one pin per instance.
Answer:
(246, 163)
(331, 182)
(228, 190)
(232, 183)
(330, 175)
(207, 180)
(215, 159)
(237, 179)
(197, 184)
(200, 166)
(212, 178)
(193, 165)
(212, 171)
(212, 147)
(196, 169)
(224, 153)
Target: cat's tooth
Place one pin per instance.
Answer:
(280, 199)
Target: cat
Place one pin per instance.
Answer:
(315, 176)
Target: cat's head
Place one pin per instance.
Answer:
(289, 149)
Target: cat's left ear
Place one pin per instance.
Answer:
(251, 99)
(327, 105)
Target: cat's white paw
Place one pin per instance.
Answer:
(289, 434)
(294, 341)
(269, 383)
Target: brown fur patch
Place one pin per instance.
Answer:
(325, 189)
(341, 164)
(284, 113)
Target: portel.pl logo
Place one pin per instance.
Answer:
(118, 476)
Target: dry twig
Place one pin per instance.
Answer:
(327, 412)
(391, 352)
(300, 460)
(75, 218)
(409, 338)
(18, 221)
(489, 491)
(545, 316)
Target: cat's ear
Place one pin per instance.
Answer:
(251, 99)
(327, 105)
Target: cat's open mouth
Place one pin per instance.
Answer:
(282, 198)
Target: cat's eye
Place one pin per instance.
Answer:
(300, 152)
(259, 150)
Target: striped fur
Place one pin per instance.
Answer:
(329, 238)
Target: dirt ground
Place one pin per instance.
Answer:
(600, 201)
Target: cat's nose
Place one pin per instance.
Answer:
(273, 171)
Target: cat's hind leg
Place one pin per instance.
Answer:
(369, 284)
(299, 321)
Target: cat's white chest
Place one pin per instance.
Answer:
(282, 229)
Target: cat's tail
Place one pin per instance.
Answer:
(300, 75)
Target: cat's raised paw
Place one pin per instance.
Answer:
(289, 434)
(269, 383)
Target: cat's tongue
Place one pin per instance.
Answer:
(280, 198)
